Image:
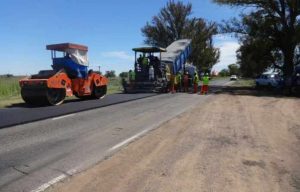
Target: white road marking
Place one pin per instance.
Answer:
(64, 116)
(127, 141)
(72, 171)
(48, 184)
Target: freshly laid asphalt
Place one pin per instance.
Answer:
(22, 113)
(25, 114)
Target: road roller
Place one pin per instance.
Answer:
(69, 77)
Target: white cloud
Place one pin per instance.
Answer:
(122, 55)
(228, 48)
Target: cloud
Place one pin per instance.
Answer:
(121, 55)
(228, 48)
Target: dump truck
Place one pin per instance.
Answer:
(69, 76)
(155, 65)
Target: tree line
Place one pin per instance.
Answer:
(268, 31)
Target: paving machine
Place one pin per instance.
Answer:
(149, 60)
(154, 66)
(69, 76)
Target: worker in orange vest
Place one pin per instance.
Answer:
(186, 82)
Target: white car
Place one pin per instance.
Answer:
(267, 80)
(233, 78)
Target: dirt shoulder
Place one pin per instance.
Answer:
(232, 143)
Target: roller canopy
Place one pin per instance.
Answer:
(65, 46)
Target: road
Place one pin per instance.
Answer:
(35, 155)
(239, 141)
(21, 113)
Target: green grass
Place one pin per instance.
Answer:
(9, 87)
(114, 85)
(10, 90)
(244, 83)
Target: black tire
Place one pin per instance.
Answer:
(99, 92)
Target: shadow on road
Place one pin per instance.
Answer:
(24, 105)
(252, 91)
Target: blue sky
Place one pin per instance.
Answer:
(110, 28)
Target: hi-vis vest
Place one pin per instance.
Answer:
(196, 79)
(132, 76)
(205, 80)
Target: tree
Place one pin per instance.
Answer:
(174, 22)
(123, 75)
(234, 69)
(204, 55)
(224, 73)
(168, 25)
(274, 21)
(255, 57)
(110, 74)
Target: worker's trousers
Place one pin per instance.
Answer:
(195, 87)
(204, 89)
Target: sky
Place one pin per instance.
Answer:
(110, 28)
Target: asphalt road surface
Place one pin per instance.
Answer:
(33, 156)
(24, 114)
(20, 114)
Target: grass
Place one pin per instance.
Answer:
(114, 85)
(244, 83)
(10, 90)
(9, 87)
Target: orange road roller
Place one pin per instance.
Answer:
(69, 76)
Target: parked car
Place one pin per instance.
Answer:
(267, 80)
(233, 78)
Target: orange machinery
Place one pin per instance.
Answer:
(69, 76)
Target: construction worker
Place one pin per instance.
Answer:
(204, 88)
(140, 59)
(179, 82)
(196, 81)
(145, 61)
(186, 82)
(151, 73)
(173, 83)
(131, 75)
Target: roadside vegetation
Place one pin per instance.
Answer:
(10, 89)
(9, 86)
(114, 85)
(244, 83)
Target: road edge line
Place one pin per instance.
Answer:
(44, 186)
